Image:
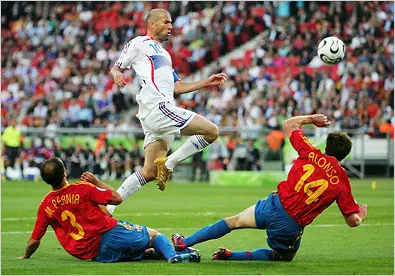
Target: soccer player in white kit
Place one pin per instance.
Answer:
(160, 118)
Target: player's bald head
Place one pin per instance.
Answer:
(156, 14)
(53, 171)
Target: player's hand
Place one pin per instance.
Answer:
(363, 209)
(217, 79)
(89, 177)
(119, 79)
(320, 120)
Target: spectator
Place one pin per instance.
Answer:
(254, 162)
(12, 138)
(387, 127)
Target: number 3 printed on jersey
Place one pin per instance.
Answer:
(321, 183)
(81, 232)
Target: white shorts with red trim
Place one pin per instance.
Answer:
(165, 122)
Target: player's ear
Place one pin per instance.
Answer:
(151, 24)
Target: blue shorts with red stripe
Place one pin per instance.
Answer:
(283, 233)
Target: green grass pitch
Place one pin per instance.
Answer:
(329, 246)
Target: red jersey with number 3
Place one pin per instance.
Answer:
(314, 182)
(75, 215)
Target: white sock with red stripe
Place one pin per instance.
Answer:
(191, 146)
(130, 186)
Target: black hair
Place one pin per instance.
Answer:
(338, 145)
(52, 171)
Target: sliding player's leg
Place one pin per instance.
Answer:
(201, 133)
(245, 219)
(148, 173)
(283, 234)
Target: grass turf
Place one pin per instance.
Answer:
(328, 245)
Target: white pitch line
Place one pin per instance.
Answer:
(51, 231)
(203, 214)
(177, 229)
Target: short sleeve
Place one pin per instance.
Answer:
(128, 55)
(41, 225)
(100, 196)
(300, 143)
(346, 201)
(175, 77)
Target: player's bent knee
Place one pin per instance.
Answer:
(233, 222)
(213, 133)
(152, 235)
(286, 257)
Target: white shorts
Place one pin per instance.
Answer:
(165, 122)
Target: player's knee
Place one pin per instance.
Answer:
(233, 222)
(152, 235)
(213, 133)
(285, 257)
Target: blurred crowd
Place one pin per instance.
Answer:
(283, 76)
(56, 58)
(58, 55)
(105, 160)
(112, 162)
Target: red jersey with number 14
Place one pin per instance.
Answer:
(75, 215)
(314, 182)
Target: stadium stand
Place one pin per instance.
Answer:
(56, 58)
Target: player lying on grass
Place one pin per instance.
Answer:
(315, 181)
(84, 230)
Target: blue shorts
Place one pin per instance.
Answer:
(124, 242)
(283, 233)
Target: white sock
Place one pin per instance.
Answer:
(192, 145)
(130, 186)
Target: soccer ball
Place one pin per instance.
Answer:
(331, 50)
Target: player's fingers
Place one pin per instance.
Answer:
(85, 176)
(120, 81)
(120, 84)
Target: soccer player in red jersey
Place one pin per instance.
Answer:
(84, 230)
(315, 181)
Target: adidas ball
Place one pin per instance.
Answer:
(331, 50)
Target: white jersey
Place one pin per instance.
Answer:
(153, 65)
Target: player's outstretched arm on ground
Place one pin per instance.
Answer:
(297, 122)
(116, 75)
(354, 220)
(90, 177)
(31, 247)
(185, 87)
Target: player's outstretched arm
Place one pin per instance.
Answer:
(31, 247)
(185, 87)
(90, 177)
(354, 220)
(297, 122)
